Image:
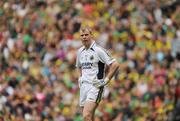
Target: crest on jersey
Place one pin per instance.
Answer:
(92, 57)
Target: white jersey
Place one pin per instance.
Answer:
(92, 62)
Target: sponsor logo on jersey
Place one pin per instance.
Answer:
(87, 65)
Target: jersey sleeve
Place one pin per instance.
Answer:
(104, 56)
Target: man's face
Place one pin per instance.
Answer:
(85, 37)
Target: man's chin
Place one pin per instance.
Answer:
(85, 42)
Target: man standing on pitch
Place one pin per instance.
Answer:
(91, 62)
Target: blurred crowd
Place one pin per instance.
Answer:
(38, 44)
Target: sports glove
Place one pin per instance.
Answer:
(100, 82)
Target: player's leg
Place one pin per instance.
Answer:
(84, 89)
(82, 109)
(93, 98)
(89, 110)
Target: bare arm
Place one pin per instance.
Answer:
(112, 70)
(78, 71)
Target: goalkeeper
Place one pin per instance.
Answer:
(91, 62)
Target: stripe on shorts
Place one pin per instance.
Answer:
(98, 99)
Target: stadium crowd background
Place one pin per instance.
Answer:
(38, 44)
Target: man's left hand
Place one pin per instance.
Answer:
(100, 82)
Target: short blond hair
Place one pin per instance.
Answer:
(86, 28)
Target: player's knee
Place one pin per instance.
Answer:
(87, 116)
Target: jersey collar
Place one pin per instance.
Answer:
(91, 46)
